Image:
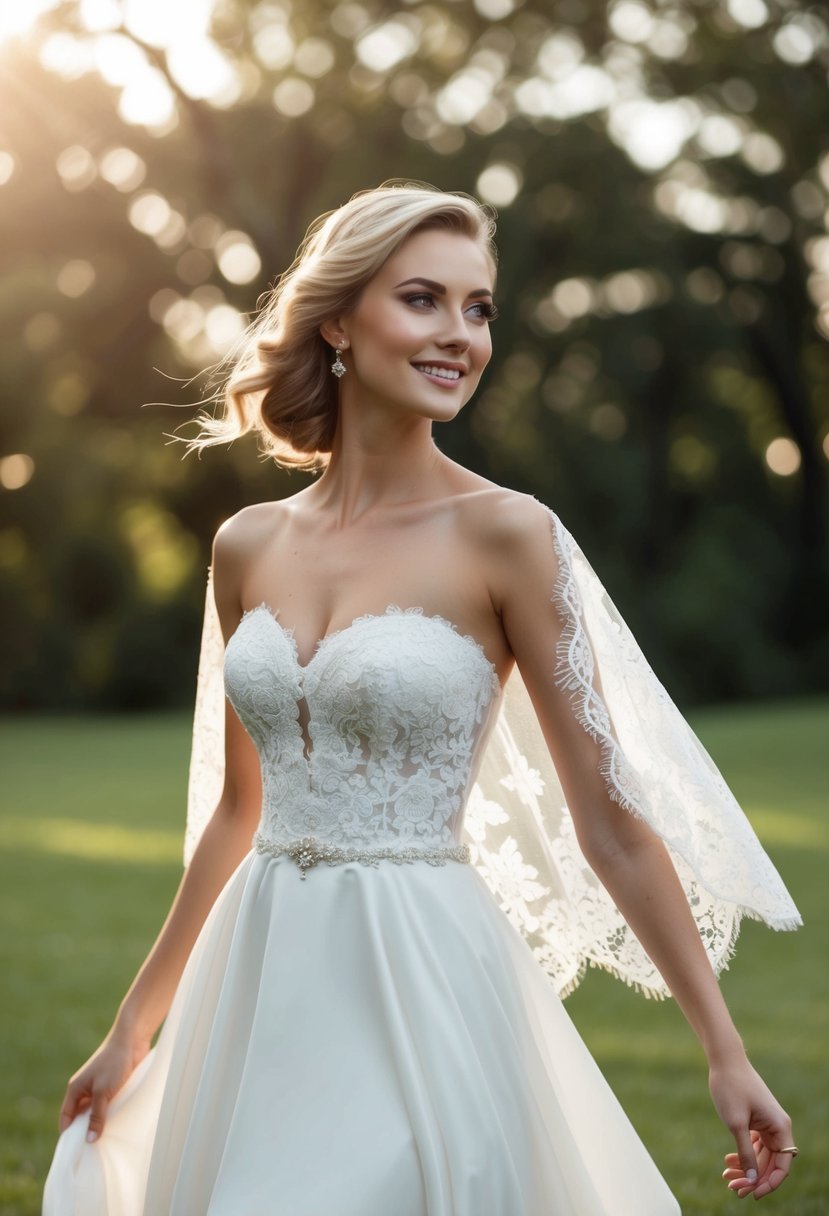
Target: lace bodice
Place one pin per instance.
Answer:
(390, 741)
(375, 741)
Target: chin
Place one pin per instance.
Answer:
(423, 402)
(437, 413)
(431, 406)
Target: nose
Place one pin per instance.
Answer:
(456, 333)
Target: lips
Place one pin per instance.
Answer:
(451, 375)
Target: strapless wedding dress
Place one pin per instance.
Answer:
(359, 1029)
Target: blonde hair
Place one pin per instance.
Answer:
(279, 384)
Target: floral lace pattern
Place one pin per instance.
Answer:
(394, 705)
(652, 763)
(407, 741)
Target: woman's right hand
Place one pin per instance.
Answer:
(98, 1081)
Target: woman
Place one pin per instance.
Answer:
(352, 1024)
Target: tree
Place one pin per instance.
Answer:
(661, 369)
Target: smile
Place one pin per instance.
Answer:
(450, 374)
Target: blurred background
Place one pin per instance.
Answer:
(661, 367)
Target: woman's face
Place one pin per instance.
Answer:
(419, 336)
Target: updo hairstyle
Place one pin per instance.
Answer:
(276, 381)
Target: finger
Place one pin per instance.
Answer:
(756, 1140)
(737, 1181)
(741, 1187)
(764, 1161)
(769, 1184)
(781, 1164)
(745, 1153)
(97, 1117)
(742, 1191)
(71, 1106)
(776, 1164)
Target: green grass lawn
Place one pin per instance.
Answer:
(90, 857)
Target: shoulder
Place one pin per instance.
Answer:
(236, 542)
(253, 526)
(505, 522)
(246, 529)
(511, 534)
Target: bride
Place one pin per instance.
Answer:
(358, 983)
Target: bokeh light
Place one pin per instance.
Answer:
(237, 258)
(76, 167)
(75, 278)
(499, 184)
(17, 19)
(122, 168)
(293, 96)
(149, 212)
(750, 14)
(384, 46)
(783, 456)
(663, 193)
(16, 471)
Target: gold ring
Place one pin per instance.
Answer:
(792, 1148)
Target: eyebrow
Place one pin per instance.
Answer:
(440, 289)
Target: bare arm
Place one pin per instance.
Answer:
(225, 842)
(627, 856)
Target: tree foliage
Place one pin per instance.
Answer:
(660, 377)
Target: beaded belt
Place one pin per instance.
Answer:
(308, 851)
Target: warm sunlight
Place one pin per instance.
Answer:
(17, 20)
(115, 29)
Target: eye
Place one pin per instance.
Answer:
(488, 311)
(483, 310)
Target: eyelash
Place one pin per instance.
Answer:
(490, 312)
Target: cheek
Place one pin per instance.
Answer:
(482, 346)
(394, 334)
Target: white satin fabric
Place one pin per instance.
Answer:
(363, 1042)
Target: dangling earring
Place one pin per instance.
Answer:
(338, 367)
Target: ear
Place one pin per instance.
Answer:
(333, 333)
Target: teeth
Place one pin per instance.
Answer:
(445, 373)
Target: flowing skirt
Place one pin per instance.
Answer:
(363, 1042)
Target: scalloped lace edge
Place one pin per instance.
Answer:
(580, 694)
(389, 610)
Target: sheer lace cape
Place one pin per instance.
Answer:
(517, 824)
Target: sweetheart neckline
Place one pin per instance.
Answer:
(390, 611)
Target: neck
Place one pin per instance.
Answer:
(377, 460)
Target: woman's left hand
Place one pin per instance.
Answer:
(760, 1128)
